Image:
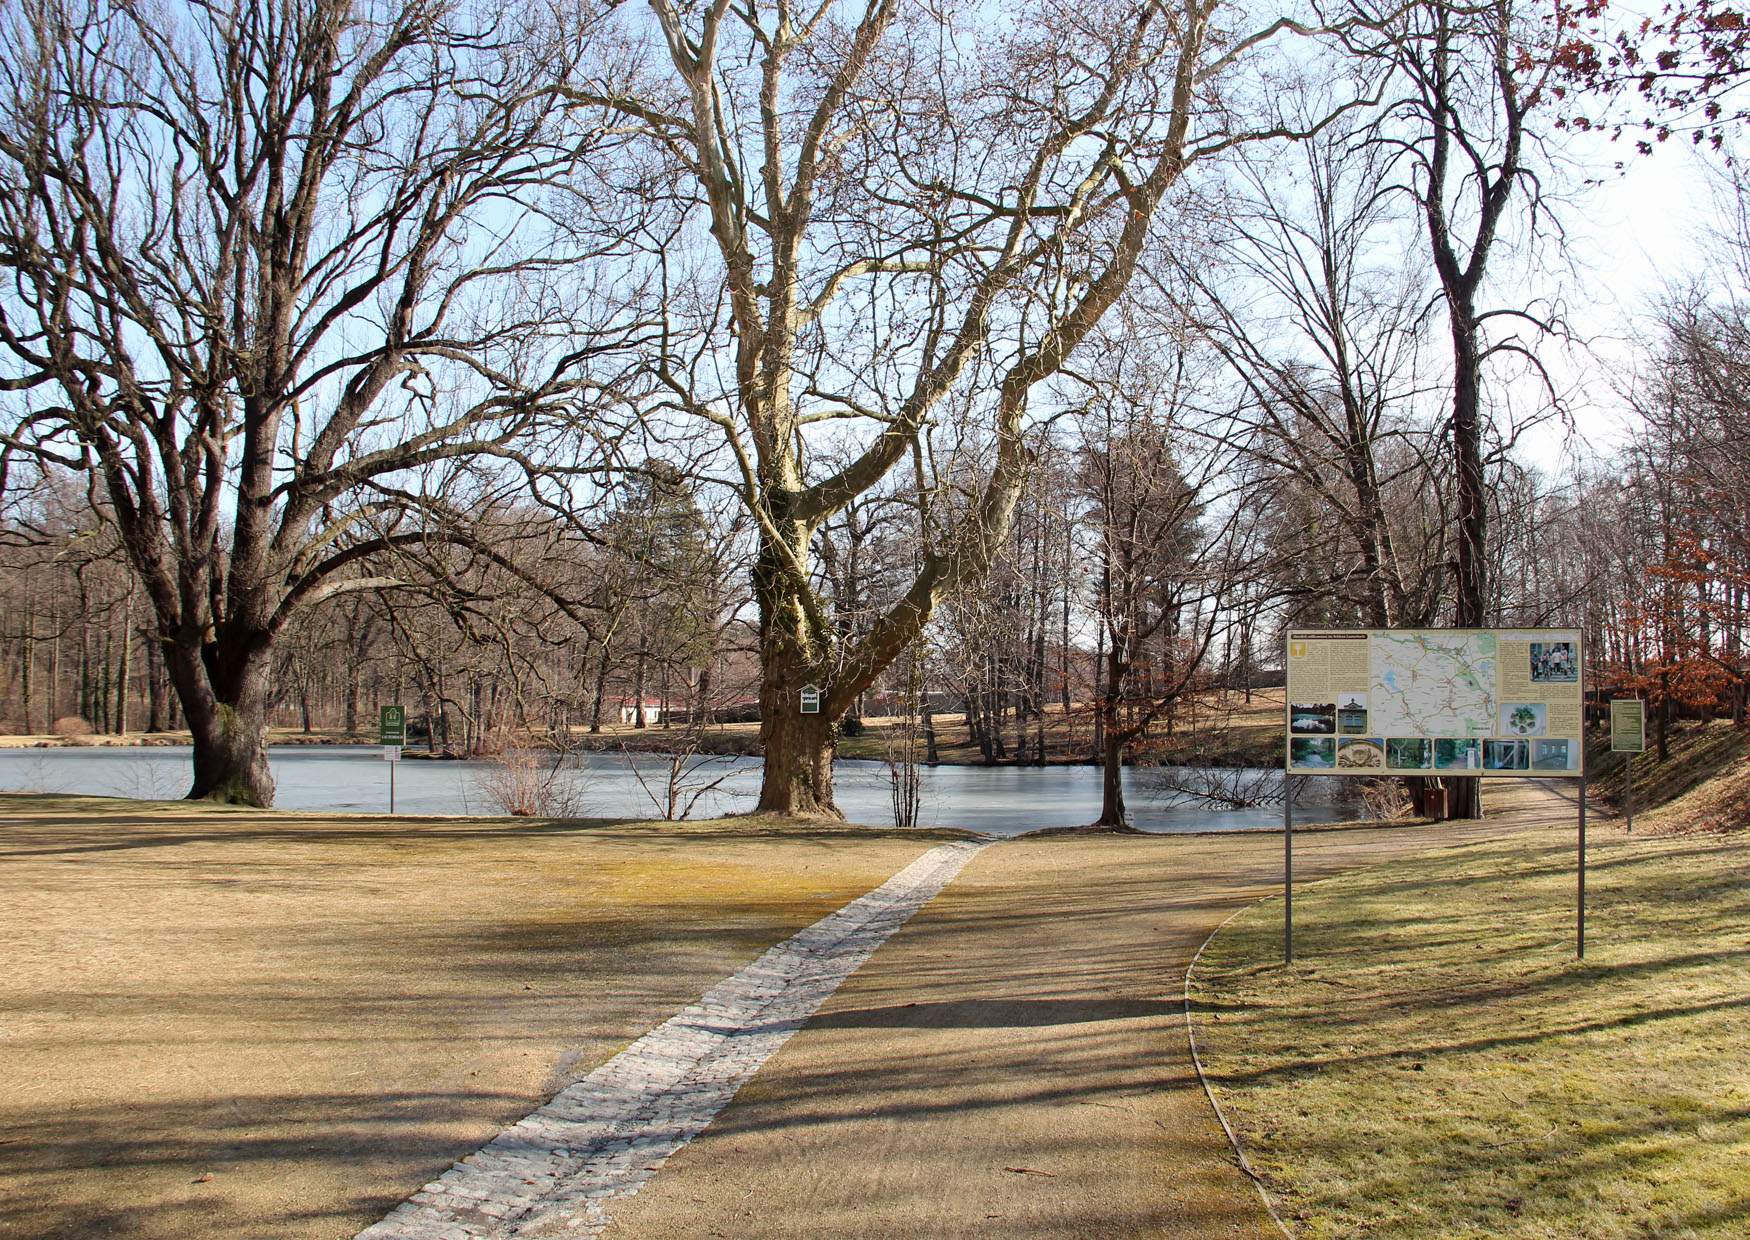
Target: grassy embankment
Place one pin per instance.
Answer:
(1212, 729)
(1436, 1063)
(224, 1022)
(1714, 754)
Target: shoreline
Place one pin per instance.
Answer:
(1236, 756)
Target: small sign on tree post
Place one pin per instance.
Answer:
(811, 699)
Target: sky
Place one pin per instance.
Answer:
(1630, 235)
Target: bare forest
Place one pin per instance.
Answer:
(613, 373)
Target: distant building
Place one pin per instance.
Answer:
(653, 711)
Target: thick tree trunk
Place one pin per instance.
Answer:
(798, 748)
(227, 717)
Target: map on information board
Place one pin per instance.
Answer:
(1484, 702)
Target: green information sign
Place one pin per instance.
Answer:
(392, 726)
(1628, 725)
(810, 700)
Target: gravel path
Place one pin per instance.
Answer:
(559, 1171)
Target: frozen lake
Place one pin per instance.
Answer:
(1001, 800)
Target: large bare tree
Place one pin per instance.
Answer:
(905, 218)
(283, 279)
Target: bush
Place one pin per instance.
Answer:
(71, 725)
(852, 725)
(526, 783)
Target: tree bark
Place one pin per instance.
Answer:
(1112, 739)
(798, 748)
(1113, 812)
(227, 717)
(123, 670)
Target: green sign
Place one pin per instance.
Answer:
(1628, 725)
(392, 726)
(810, 700)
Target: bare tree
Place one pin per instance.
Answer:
(1310, 302)
(908, 225)
(283, 276)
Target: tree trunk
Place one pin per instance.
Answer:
(601, 688)
(123, 670)
(156, 717)
(638, 687)
(1464, 798)
(227, 716)
(798, 748)
(27, 664)
(1112, 739)
(352, 693)
(794, 652)
(1112, 810)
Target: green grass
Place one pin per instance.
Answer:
(1436, 1063)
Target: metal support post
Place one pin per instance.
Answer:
(1628, 791)
(1580, 921)
(1287, 868)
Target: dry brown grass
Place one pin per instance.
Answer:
(227, 1023)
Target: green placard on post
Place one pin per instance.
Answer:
(392, 725)
(1628, 725)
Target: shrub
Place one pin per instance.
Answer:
(71, 725)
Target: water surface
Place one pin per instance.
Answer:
(1002, 800)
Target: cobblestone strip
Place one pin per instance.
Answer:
(556, 1172)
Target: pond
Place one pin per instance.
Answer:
(1001, 800)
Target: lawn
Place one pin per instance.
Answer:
(238, 1023)
(1436, 1064)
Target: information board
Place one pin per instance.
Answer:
(392, 725)
(1628, 725)
(1484, 702)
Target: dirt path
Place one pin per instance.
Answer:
(1013, 1062)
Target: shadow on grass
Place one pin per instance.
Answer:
(177, 1170)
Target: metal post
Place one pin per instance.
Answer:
(1628, 790)
(392, 767)
(1580, 923)
(1287, 868)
